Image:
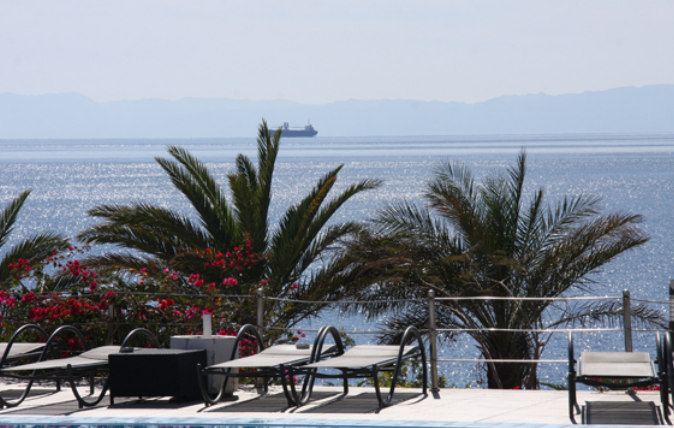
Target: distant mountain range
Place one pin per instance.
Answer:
(648, 109)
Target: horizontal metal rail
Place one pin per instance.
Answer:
(523, 298)
(359, 302)
(544, 330)
(495, 360)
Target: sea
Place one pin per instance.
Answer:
(630, 173)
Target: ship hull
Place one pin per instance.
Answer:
(298, 133)
(307, 131)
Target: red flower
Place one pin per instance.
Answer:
(28, 297)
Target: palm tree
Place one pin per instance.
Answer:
(32, 250)
(161, 237)
(477, 240)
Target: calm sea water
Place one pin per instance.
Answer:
(631, 173)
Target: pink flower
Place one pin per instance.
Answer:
(230, 281)
(28, 297)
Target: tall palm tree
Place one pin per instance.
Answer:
(477, 240)
(160, 237)
(33, 249)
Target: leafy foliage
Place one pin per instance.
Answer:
(477, 240)
(105, 306)
(163, 239)
(31, 250)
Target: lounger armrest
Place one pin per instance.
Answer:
(15, 336)
(140, 332)
(247, 329)
(317, 351)
(412, 334)
(59, 331)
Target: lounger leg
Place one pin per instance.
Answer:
(290, 395)
(377, 390)
(667, 361)
(307, 387)
(202, 377)
(661, 346)
(6, 403)
(81, 402)
(573, 405)
(571, 380)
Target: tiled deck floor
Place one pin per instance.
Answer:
(453, 407)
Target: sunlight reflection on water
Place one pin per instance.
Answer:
(630, 175)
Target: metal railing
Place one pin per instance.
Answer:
(432, 329)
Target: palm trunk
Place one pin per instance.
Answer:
(511, 346)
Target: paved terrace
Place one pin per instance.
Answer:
(453, 408)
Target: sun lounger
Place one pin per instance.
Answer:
(272, 362)
(13, 349)
(366, 361)
(83, 366)
(616, 370)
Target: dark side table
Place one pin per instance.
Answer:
(155, 373)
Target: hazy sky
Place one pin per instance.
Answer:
(318, 51)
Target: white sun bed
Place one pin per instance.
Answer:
(84, 365)
(366, 361)
(274, 362)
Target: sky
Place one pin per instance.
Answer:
(317, 52)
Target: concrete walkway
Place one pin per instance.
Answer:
(453, 408)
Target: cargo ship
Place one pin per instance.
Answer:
(307, 131)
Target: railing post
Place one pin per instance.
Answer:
(671, 305)
(433, 341)
(259, 382)
(260, 311)
(111, 325)
(627, 320)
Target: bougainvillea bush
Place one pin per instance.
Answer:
(106, 306)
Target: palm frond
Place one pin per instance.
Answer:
(584, 250)
(528, 238)
(567, 214)
(454, 196)
(318, 247)
(120, 263)
(289, 241)
(252, 189)
(196, 183)
(8, 216)
(610, 313)
(147, 228)
(404, 218)
(35, 249)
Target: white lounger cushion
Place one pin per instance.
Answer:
(93, 357)
(616, 364)
(364, 356)
(269, 357)
(19, 348)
